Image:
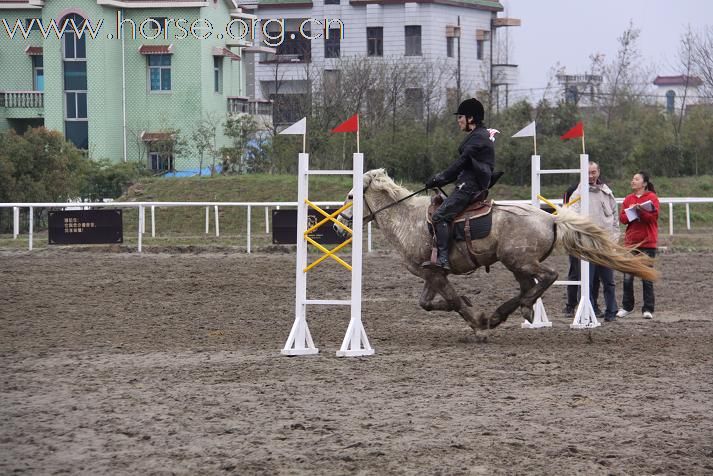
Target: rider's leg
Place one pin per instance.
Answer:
(442, 218)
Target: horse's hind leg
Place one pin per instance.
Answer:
(534, 279)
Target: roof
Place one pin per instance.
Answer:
(156, 136)
(219, 51)
(33, 50)
(492, 5)
(680, 80)
(156, 49)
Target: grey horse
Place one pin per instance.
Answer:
(521, 238)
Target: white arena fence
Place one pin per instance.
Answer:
(213, 209)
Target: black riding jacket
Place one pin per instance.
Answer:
(475, 164)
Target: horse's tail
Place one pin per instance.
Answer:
(580, 237)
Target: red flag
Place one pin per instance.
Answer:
(576, 131)
(350, 125)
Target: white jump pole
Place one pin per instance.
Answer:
(670, 218)
(584, 318)
(539, 316)
(153, 221)
(217, 224)
(207, 220)
(300, 340)
(267, 221)
(355, 342)
(688, 216)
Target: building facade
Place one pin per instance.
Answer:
(117, 77)
(453, 35)
(671, 91)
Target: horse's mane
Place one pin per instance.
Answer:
(378, 179)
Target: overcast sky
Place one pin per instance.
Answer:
(569, 31)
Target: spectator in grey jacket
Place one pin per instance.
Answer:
(602, 211)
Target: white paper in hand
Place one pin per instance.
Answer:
(648, 206)
(631, 214)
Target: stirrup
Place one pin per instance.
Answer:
(431, 266)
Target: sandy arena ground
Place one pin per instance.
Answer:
(169, 363)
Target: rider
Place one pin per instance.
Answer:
(472, 172)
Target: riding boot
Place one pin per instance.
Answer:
(443, 233)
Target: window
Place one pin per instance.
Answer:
(375, 41)
(414, 102)
(296, 44)
(287, 108)
(74, 56)
(332, 81)
(331, 2)
(331, 43)
(218, 74)
(160, 164)
(38, 73)
(157, 25)
(32, 26)
(670, 100)
(74, 47)
(479, 49)
(413, 40)
(160, 72)
(450, 46)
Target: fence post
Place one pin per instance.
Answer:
(267, 222)
(249, 209)
(217, 224)
(670, 218)
(153, 221)
(15, 222)
(32, 222)
(141, 214)
(207, 220)
(688, 216)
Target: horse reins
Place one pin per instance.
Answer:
(372, 215)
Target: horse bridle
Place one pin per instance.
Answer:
(372, 215)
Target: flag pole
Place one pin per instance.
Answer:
(534, 141)
(583, 151)
(304, 142)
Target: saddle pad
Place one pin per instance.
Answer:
(479, 228)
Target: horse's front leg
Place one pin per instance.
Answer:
(438, 283)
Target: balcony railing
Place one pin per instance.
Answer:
(22, 99)
(239, 105)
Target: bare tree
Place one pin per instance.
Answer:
(702, 60)
(624, 79)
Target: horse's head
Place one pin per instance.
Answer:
(347, 216)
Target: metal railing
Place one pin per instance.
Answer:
(249, 206)
(237, 105)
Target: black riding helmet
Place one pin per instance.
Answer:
(473, 108)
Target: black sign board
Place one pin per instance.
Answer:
(284, 228)
(85, 227)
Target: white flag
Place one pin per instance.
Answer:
(527, 131)
(299, 127)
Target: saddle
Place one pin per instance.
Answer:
(471, 224)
